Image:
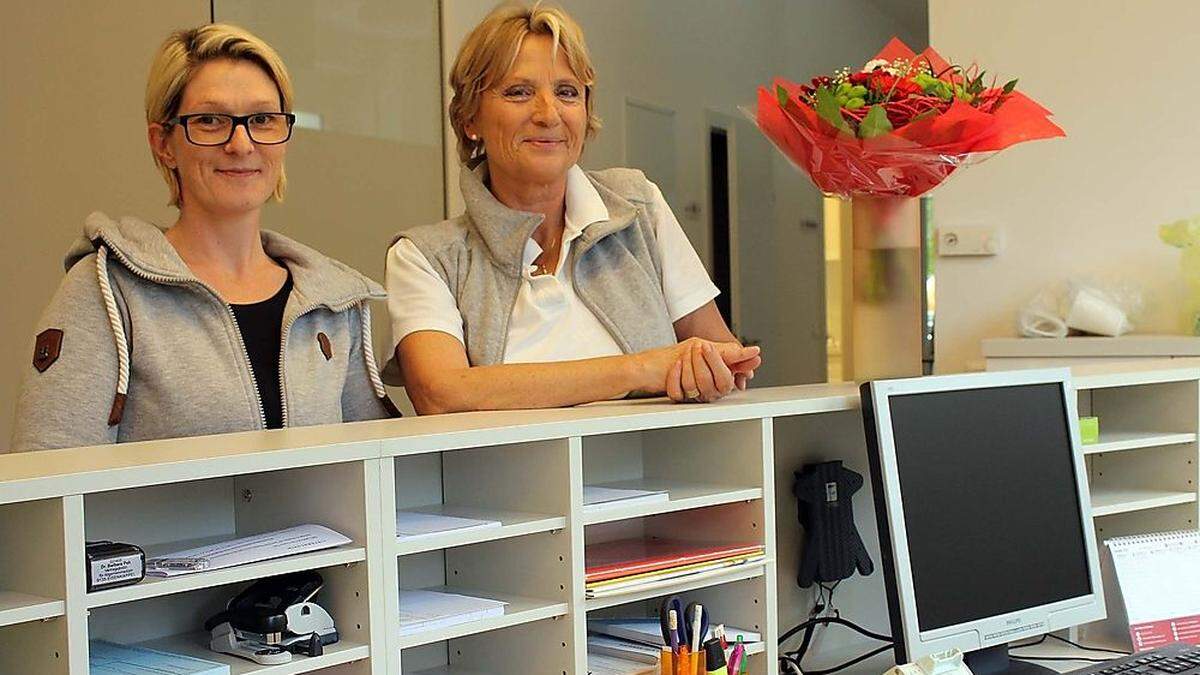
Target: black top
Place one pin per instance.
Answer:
(261, 324)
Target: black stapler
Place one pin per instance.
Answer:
(273, 619)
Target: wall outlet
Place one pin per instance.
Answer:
(969, 240)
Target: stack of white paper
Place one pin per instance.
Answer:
(623, 649)
(107, 658)
(596, 497)
(603, 664)
(422, 610)
(412, 524)
(265, 546)
(649, 631)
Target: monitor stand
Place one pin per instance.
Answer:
(996, 661)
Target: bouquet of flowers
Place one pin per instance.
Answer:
(900, 126)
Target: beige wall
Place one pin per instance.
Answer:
(74, 141)
(1119, 78)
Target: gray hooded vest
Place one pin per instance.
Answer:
(616, 264)
(134, 347)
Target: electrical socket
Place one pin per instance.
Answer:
(969, 240)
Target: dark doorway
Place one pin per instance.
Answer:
(718, 181)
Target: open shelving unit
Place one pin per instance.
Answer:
(525, 469)
(1143, 472)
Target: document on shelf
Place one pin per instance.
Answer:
(424, 610)
(413, 524)
(256, 548)
(107, 658)
(604, 664)
(596, 497)
(623, 649)
(648, 632)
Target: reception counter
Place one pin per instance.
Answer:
(727, 468)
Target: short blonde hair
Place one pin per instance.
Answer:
(182, 54)
(487, 54)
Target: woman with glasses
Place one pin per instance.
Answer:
(214, 324)
(557, 286)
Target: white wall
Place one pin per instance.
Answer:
(1120, 78)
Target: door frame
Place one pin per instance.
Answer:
(715, 119)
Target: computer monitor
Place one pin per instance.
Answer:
(984, 517)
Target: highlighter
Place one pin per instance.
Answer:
(714, 658)
(683, 662)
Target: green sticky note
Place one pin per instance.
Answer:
(1089, 430)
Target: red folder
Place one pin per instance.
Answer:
(614, 559)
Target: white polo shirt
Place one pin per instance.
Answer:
(549, 322)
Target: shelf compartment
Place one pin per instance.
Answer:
(518, 611)
(682, 496)
(153, 587)
(196, 645)
(20, 608)
(448, 670)
(1115, 501)
(1116, 441)
(512, 524)
(703, 580)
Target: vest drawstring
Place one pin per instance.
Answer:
(368, 350)
(118, 330)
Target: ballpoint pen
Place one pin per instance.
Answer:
(673, 631)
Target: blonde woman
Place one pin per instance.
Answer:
(557, 286)
(213, 325)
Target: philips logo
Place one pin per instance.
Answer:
(1013, 627)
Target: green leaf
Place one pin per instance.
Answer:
(876, 123)
(782, 95)
(829, 110)
(1008, 88)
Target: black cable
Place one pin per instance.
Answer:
(851, 662)
(1053, 658)
(813, 623)
(1030, 644)
(1087, 648)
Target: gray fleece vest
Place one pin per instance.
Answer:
(616, 264)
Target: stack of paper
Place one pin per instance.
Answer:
(623, 649)
(256, 548)
(422, 610)
(603, 664)
(597, 497)
(106, 658)
(628, 565)
(649, 631)
(413, 524)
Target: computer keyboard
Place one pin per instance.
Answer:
(1172, 659)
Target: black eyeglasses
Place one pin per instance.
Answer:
(207, 129)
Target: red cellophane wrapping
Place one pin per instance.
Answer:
(909, 160)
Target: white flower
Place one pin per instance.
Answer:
(876, 63)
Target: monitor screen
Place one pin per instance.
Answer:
(991, 504)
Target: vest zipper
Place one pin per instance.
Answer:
(282, 358)
(175, 281)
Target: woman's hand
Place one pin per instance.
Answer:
(699, 370)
